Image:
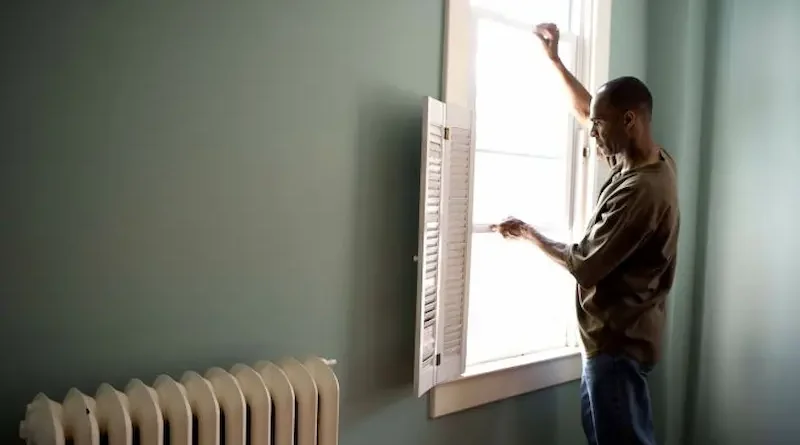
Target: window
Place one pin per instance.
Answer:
(519, 301)
(495, 317)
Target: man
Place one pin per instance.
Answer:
(625, 264)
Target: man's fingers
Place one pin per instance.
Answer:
(543, 35)
(546, 31)
(510, 227)
(549, 27)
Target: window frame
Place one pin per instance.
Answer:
(575, 175)
(507, 378)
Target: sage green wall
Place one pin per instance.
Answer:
(186, 186)
(628, 39)
(747, 361)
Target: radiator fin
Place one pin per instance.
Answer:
(259, 404)
(305, 393)
(113, 415)
(232, 404)
(282, 401)
(328, 390)
(145, 412)
(176, 410)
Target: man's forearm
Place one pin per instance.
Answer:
(555, 250)
(579, 95)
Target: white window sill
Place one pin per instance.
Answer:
(503, 379)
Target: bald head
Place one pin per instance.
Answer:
(627, 94)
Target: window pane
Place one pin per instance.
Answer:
(520, 106)
(529, 11)
(519, 300)
(532, 189)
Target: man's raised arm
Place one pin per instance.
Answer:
(548, 34)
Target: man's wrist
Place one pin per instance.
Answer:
(557, 251)
(556, 61)
(529, 232)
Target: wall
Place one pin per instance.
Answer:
(628, 39)
(185, 186)
(747, 363)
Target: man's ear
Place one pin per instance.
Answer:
(628, 119)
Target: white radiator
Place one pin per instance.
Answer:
(285, 403)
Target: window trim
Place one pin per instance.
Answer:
(504, 379)
(507, 378)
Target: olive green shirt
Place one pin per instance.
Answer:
(625, 263)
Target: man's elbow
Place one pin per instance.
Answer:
(585, 275)
(581, 112)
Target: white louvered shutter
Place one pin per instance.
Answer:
(443, 247)
(428, 258)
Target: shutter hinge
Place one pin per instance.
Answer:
(438, 359)
(446, 133)
(585, 151)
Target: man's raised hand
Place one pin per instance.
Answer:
(548, 35)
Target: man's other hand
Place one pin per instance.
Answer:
(511, 228)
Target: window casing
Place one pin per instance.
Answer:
(496, 318)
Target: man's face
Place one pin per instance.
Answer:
(610, 127)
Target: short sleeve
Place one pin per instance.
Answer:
(629, 217)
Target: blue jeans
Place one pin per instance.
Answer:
(615, 401)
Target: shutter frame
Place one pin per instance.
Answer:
(430, 243)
